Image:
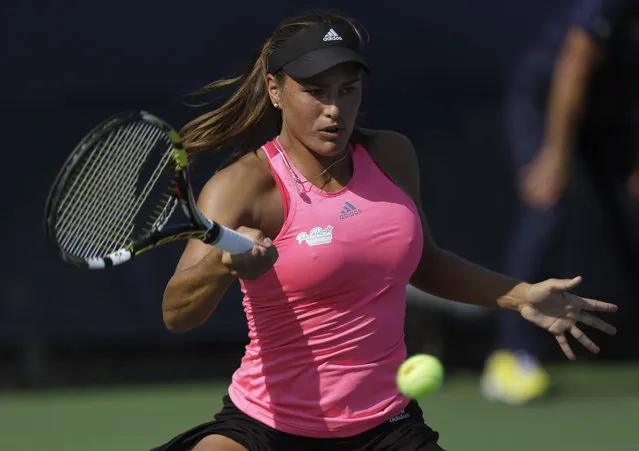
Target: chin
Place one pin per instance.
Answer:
(331, 147)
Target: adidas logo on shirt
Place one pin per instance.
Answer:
(349, 210)
(332, 36)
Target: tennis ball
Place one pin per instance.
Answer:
(420, 375)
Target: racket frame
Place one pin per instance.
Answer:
(199, 227)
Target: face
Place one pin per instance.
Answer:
(320, 112)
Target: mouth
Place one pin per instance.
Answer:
(332, 132)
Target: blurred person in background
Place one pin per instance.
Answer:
(574, 100)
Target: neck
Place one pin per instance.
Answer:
(310, 164)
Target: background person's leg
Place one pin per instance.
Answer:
(534, 236)
(513, 373)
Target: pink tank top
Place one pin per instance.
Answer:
(326, 324)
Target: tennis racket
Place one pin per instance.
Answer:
(116, 195)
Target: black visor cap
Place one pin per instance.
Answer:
(318, 48)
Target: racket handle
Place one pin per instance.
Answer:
(230, 241)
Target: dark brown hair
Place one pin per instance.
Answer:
(244, 120)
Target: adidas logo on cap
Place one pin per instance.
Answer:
(332, 36)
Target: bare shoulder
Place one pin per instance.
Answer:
(387, 144)
(395, 154)
(231, 193)
(231, 197)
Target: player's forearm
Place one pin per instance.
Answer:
(449, 276)
(568, 91)
(194, 293)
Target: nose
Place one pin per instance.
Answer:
(332, 110)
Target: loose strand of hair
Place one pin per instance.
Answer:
(237, 121)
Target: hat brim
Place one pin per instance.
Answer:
(320, 60)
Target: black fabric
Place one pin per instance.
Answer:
(612, 100)
(317, 48)
(317, 61)
(405, 432)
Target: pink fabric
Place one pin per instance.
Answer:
(326, 324)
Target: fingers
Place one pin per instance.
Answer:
(566, 284)
(584, 340)
(261, 247)
(597, 323)
(255, 262)
(582, 337)
(267, 251)
(254, 234)
(598, 306)
(565, 347)
(271, 252)
(264, 250)
(262, 243)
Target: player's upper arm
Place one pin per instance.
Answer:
(228, 198)
(396, 156)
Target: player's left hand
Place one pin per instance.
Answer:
(549, 305)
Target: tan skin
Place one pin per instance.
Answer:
(245, 196)
(544, 181)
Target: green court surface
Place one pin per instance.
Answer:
(594, 408)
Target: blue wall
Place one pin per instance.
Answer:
(439, 75)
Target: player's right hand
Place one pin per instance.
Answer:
(255, 262)
(543, 182)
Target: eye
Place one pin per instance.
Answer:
(349, 89)
(315, 92)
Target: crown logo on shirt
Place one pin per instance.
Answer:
(316, 236)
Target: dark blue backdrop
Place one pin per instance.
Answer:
(439, 73)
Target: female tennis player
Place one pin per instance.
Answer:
(335, 214)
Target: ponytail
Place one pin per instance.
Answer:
(242, 121)
(247, 118)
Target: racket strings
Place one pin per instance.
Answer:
(120, 228)
(161, 214)
(97, 214)
(82, 178)
(91, 196)
(121, 233)
(82, 190)
(117, 204)
(116, 228)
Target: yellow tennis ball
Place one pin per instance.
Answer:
(420, 375)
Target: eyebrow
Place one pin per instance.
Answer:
(320, 85)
